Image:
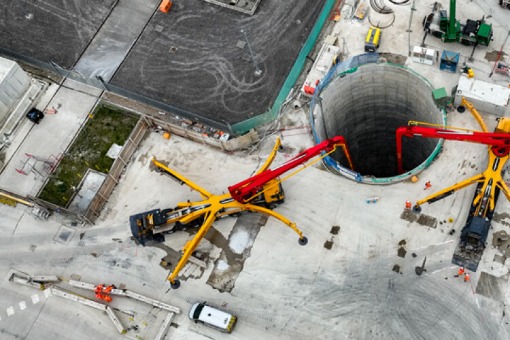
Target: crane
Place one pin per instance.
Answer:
(489, 183)
(449, 29)
(259, 193)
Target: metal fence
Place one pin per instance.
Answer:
(112, 179)
(237, 143)
(99, 83)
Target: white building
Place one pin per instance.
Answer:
(14, 82)
(486, 97)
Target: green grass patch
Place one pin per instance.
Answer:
(107, 126)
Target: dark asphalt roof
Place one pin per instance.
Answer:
(196, 57)
(51, 30)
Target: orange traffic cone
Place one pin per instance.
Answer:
(165, 6)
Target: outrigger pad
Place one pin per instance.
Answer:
(176, 284)
(303, 241)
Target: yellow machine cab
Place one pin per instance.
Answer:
(372, 39)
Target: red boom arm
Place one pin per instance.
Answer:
(499, 142)
(248, 188)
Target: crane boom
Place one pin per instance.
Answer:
(490, 183)
(499, 142)
(150, 226)
(248, 188)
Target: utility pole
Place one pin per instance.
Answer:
(409, 30)
(499, 55)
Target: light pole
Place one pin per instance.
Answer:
(258, 71)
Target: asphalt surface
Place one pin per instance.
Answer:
(202, 58)
(51, 30)
(196, 58)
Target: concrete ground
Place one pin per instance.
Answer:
(355, 279)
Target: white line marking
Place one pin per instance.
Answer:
(474, 294)
(22, 305)
(440, 270)
(35, 298)
(434, 245)
(10, 311)
(47, 292)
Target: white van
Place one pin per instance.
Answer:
(212, 317)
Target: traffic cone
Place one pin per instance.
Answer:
(165, 6)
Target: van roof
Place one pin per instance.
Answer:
(215, 317)
(209, 315)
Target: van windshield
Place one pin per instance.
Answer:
(198, 310)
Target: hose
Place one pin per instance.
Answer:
(380, 7)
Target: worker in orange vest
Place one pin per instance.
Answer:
(408, 205)
(108, 289)
(466, 277)
(427, 185)
(99, 288)
(461, 271)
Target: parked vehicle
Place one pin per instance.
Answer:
(372, 39)
(35, 115)
(212, 317)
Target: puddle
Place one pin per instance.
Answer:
(328, 244)
(170, 259)
(401, 252)
(235, 250)
(423, 219)
(396, 268)
(427, 221)
(217, 238)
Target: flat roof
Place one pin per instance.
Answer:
(49, 30)
(204, 58)
(484, 91)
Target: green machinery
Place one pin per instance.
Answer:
(448, 29)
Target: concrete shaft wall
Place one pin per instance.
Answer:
(367, 106)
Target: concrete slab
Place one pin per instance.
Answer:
(88, 188)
